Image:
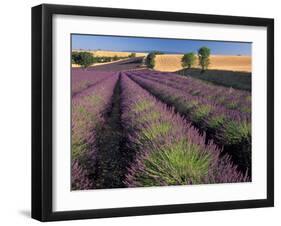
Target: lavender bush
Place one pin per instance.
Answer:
(79, 177)
(228, 127)
(227, 97)
(87, 117)
(169, 151)
(83, 79)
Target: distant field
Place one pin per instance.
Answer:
(103, 53)
(75, 65)
(172, 62)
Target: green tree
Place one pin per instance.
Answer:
(85, 59)
(75, 56)
(188, 60)
(115, 58)
(132, 55)
(109, 59)
(150, 60)
(204, 57)
(158, 53)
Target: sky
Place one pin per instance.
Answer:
(139, 44)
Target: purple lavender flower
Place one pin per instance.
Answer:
(88, 108)
(168, 150)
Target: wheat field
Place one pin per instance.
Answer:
(172, 62)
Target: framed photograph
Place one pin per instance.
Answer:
(146, 112)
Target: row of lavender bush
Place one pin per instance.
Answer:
(229, 128)
(82, 79)
(168, 150)
(87, 117)
(227, 97)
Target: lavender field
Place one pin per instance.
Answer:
(138, 127)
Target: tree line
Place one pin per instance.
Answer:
(188, 59)
(86, 59)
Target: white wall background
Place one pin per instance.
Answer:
(15, 118)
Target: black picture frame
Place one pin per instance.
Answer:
(42, 111)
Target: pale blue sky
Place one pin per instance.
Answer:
(136, 44)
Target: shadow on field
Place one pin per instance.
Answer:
(234, 79)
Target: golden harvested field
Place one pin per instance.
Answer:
(172, 62)
(75, 65)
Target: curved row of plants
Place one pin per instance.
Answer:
(82, 80)
(230, 98)
(87, 117)
(168, 150)
(229, 128)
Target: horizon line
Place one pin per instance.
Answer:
(149, 51)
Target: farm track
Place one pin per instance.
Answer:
(233, 150)
(120, 65)
(112, 155)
